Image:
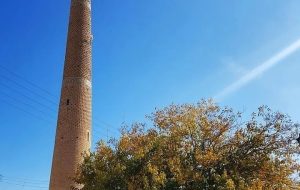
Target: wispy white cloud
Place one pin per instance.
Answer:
(259, 70)
(233, 67)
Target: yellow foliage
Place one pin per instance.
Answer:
(195, 147)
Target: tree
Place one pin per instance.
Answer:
(193, 147)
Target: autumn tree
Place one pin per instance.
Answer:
(203, 146)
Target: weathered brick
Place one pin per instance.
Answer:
(73, 133)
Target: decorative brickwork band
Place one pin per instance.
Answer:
(74, 81)
(73, 133)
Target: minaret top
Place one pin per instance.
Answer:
(82, 2)
(78, 53)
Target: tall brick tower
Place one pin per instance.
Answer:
(73, 133)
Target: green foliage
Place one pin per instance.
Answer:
(196, 147)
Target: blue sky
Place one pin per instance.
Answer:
(146, 54)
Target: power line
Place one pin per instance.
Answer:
(48, 121)
(24, 181)
(106, 124)
(25, 111)
(108, 127)
(41, 104)
(27, 97)
(28, 89)
(42, 113)
(24, 185)
(29, 82)
(22, 178)
(44, 119)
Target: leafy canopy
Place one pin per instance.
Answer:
(203, 146)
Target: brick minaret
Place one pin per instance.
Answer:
(73, 133)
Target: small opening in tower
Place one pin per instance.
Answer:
(88, 136)
(68, 102)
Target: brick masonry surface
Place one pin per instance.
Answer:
(73, 133)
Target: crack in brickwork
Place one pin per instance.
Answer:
(74, 118)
